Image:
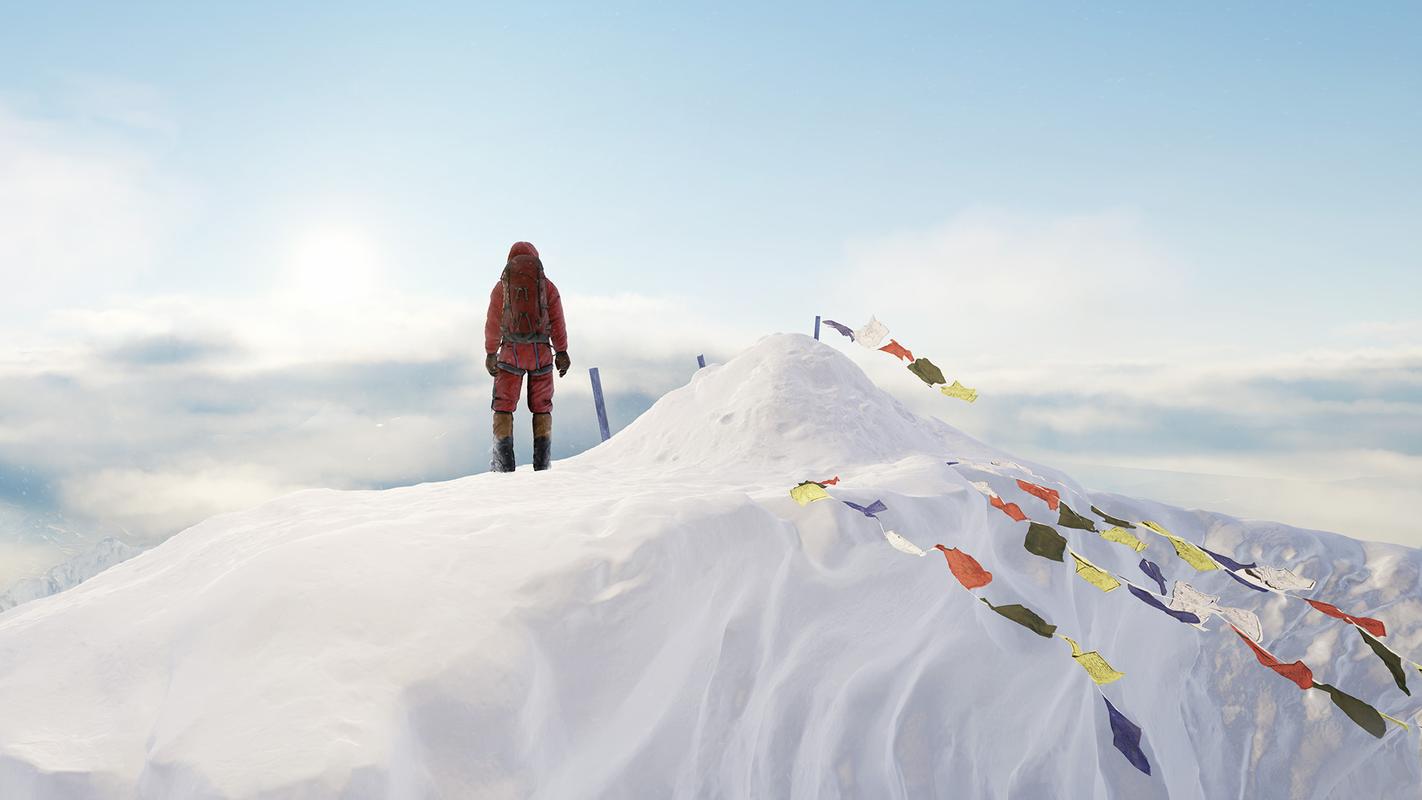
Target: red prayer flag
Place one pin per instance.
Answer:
(1373, 626)
(893, 348)
(965, 568)
(830, 482)
(1050, 496)
(1010, 509)
(1298, 672)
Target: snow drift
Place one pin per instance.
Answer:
(657, 617)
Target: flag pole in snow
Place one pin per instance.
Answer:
(817, 327)
(700, 361)
(597, 401)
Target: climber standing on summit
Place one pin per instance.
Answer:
(524, 334)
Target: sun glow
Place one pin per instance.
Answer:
(333, 266)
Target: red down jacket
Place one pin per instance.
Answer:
(535, 357)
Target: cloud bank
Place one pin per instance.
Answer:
(1092, 347)
(154, 415)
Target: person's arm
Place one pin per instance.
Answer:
(493, 333)
(494, 321)
(559, 332)
(556, 322)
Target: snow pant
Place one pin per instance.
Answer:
(515, 361)
(508, 383)
(540, 402)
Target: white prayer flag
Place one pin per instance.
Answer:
(1280, 579)
(872, 334)
(903, 545)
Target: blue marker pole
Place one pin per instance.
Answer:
(601, 406)
(700, 361)
(817, 327)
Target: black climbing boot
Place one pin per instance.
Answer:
(503, 452)
(503, 460)
(542, 441)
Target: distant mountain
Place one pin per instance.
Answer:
(71, 573)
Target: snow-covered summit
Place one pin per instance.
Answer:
(787, 402)
(657, 617)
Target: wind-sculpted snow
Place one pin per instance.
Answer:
(657, 617)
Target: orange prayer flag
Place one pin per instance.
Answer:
(965, 568)
(1050, 496)
(1373, 626)
(1010, 509)
(893, 348)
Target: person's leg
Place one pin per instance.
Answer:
(506, 391)
(540, 402)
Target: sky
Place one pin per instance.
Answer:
(245, 250)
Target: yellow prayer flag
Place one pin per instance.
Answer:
(1395, 720)
(807, 493)
(1188, 553)
(960, 391)
(1094, 575)
(1120, 535)
(1091, 661)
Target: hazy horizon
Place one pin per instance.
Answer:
(248, 253)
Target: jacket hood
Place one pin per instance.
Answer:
(522, 249)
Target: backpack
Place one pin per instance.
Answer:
(525, 301)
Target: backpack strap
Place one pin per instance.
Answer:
(505, 320)
(543, 301)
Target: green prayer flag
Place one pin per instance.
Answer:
(1363, 714)
(925, 370)
(1120, 523)
(1025, 617)
(1071, 519)
(1391, 659)
(1044, 541)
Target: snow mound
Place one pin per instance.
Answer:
(657, 617)
(789, 402)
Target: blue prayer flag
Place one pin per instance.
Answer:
(1228, 563)
(1149, 599)
(869, 511)
(1153, 571)
(1126, 735)
(1256, 587)
(841, 328)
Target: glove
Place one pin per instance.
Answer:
(491, 363)
(562, 362)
